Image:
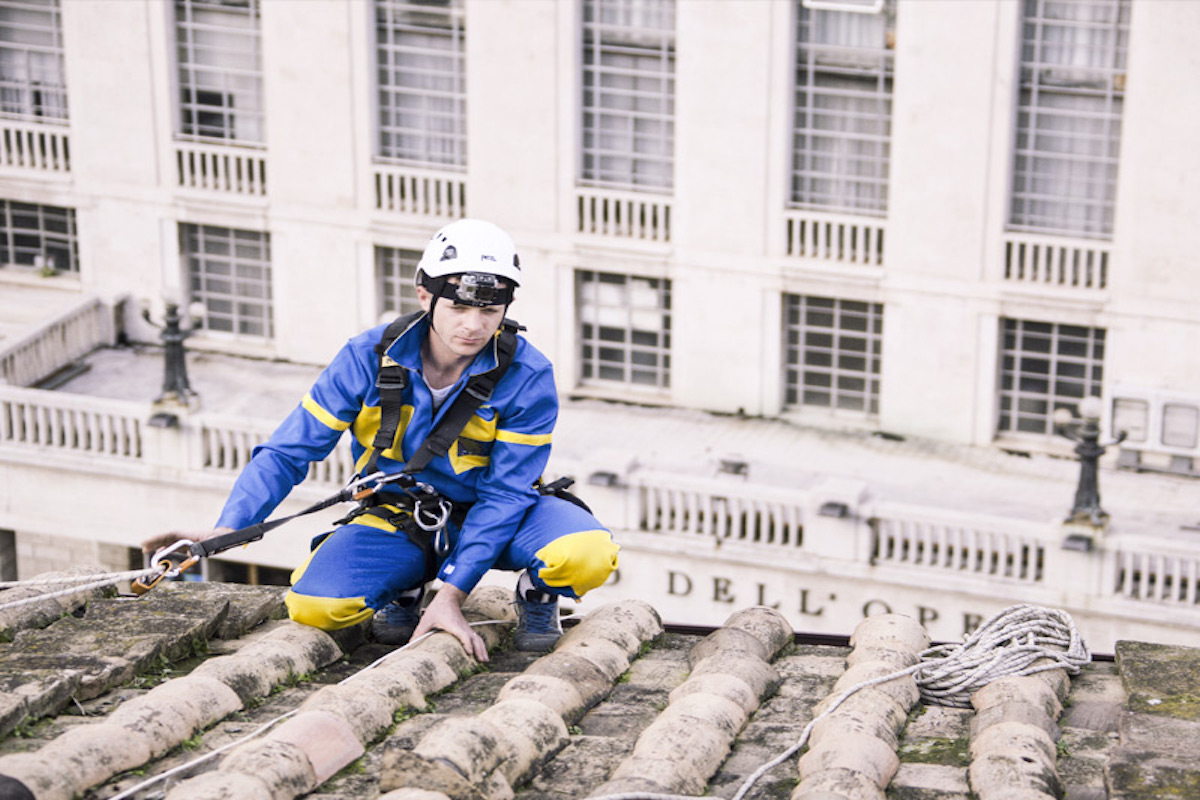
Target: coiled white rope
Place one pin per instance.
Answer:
(80, 583)
(1020, 640)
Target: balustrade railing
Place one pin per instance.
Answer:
(623, 215)
(1048, 261)
(34, 146)
(221, 168)
(227, 443)
(1163, 574)
(406, 190)
(744, 513)
(965, 544)
(75, 425)
(56, 343)
(834, 238)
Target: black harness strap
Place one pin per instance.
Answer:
(393, 379)
(478, 391)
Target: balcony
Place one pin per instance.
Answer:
(34, 148)
(834, 238)
(1056, 263)
(627, 216)
(426, 193)
(228, 169)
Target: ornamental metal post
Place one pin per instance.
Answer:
(175, 386)
(1084, 429)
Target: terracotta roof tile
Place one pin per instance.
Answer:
(620, 705)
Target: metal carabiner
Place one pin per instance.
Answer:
(166, 568)
(437, 520)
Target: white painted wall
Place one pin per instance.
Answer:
(941, 285)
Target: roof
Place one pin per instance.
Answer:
(103, 693)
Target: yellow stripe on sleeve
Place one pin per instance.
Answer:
(323, 416)
(532, 439)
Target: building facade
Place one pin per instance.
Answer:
(937, 218)
(931, 219)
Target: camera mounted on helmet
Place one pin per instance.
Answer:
(478, 289)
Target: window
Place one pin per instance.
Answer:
(628, 94)
(1180, 425)
(33, 85)
(420, 50)
(220, 70)
(229, 271)
(833, 349)
(1072, 89)
(42, 237)
(8, 555)
(1130, 415)
(625, 329)
(841, 137)
(1045, 366)
(395, 270)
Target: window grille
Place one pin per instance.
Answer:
(219, 51)
(421, 64)
(1045, 366)
(628, 94)
(1179, 428)
(229, 271)
(1130, 415)
(1072, 89)
(395, 270)
(38, 236)
(33, 82)
(841, 137)
(833, 349)
(625, 329)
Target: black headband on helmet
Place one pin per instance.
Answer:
(478, 289)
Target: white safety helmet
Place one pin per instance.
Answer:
(471, 245)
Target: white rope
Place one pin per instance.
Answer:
(86, 576)
(162, 776)
(1010, 643)
(96, 581)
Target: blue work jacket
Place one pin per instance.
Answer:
(493, 464)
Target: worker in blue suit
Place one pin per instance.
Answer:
(479, 503)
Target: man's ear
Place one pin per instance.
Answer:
(424, 296)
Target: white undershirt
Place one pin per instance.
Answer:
(439, 395)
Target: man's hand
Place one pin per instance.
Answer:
(444, 613)
(155, 543)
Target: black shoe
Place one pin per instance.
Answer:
(538, 629)
(395, 622)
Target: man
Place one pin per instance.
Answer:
(381, 558)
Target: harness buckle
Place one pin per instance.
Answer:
(482, 395)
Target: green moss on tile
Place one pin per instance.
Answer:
(949, 752)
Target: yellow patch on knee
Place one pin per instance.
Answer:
(327, 613)
(582, 560)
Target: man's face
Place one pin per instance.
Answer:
(461, 329)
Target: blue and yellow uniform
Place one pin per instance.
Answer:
(491, 469)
